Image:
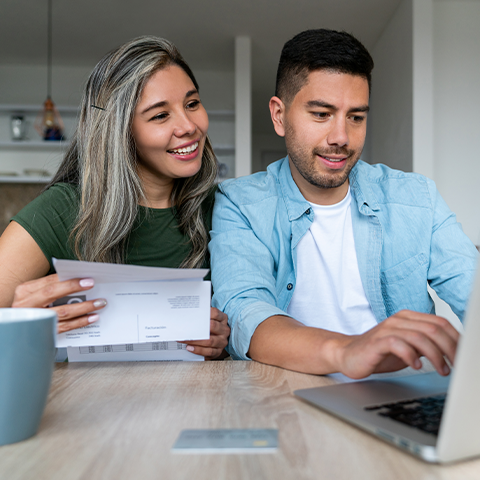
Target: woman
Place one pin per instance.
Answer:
(136, 186)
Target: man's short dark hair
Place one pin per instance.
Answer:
(319, 49)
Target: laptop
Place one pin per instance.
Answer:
(432, 417)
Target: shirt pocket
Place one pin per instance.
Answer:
(404, 286)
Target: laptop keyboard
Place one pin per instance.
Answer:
(422, 413)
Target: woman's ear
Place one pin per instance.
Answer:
(277, 112)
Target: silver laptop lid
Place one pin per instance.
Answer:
(459, 435)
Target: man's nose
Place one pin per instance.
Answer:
(338, 134)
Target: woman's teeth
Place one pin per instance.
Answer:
(185, 150)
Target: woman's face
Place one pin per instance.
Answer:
(169, 127)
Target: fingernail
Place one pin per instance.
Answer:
(101, 302)
(93, 318)
(417, 363)
(87, 282)
(446, 369)
(190, 348)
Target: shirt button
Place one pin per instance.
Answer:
(307, 212)
(289, 286)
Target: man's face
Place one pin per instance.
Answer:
(324, 128)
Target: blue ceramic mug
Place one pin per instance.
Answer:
(27, 353)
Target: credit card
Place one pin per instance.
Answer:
(227, 440)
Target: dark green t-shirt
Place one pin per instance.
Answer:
(155, 239)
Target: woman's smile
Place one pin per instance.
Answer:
(186, 152)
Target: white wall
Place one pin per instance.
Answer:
(423, 157)
(243, 106)
(390, 128)
(456, 67)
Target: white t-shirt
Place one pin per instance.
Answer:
(329, 293)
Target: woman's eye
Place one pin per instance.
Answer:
(193, 104)
(160, 116)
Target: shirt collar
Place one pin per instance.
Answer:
(361, 189)
(294, 200)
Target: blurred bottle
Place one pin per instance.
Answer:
(49, 124)
(17, 127)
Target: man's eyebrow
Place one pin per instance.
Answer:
(363, 108)
(162, 104)
(322, 104)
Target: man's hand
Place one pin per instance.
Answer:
(42, 292)
(398, 342)
(214, 347)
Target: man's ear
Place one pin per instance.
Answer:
(277, 112)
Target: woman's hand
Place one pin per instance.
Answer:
(214, 347)
(44, 291)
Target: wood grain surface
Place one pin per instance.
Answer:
(120, 420)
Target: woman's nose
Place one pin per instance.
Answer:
(184, 126)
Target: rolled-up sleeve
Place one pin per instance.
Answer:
(243, 277)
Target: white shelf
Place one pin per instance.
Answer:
(35, 144)
(24, 179)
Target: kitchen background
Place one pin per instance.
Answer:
(425, 98)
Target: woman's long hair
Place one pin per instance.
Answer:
(102, 157)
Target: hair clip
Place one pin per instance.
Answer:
(98, 108)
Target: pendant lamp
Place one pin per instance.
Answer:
(49, 124)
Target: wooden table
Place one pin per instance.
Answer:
(119, 421)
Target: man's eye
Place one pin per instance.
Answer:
(321, 115)
(358, 118)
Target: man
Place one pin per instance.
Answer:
(322, 262)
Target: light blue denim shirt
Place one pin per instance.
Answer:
(405, 237)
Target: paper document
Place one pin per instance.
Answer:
(114, 273)
(148, 305)
(136, 352)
